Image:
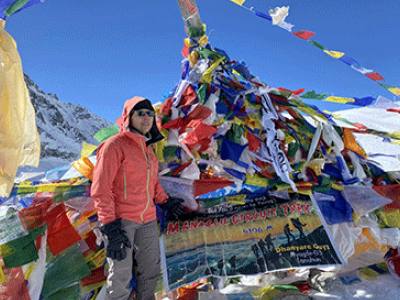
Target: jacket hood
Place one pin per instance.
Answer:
(123, 121)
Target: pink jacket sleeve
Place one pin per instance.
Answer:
(160, 195)
(109, 158)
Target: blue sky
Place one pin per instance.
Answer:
(98, 53)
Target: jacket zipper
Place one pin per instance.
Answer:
(147, 183)
(125, 190)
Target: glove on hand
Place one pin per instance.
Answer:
(174, 207)
(117, 240)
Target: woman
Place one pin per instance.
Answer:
(125, 190)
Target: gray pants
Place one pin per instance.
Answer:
(143, 259)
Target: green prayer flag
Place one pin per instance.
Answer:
(105, 133)
(63, 271)
(285, 287)
(195, 32)
(313, 95)
(201, 93)
(17, 5)
(61, 195)
(316, 44)
(293, 147)
(72, 292)
(207, 53)
(235, 133)
(169, 153)
(21, 251)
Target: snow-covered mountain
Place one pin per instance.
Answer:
(62, 127)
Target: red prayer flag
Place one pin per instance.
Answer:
(360, 127)
(61, 234)
(201, 112)
(200, 132)
(181, 168)
(33, 217)
(96, 276)
(304, 34)
(204, 186)
(394, 109)
(166, 107)
(174, 124)
(390, 191)
(91, 241)
(374, 76)
(254, 142)
(295, 92)
(188, 97)
(185, 51)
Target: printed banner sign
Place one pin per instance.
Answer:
(265, 234)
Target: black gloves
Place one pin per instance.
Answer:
(174, 207)
(117, 240)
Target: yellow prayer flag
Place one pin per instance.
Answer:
(52, 187)
(236, 72)
(96, 259)
(253, 121)
(87, 149)
(208, 73)
(237, 199)
(396, 142)
(6, 250)
(237, 121)
(337, 187)
(334, 54)
(256, 180)
(19, 142)
(350, 142)
(238, 2)
(28, 270)
(395, 135)
(342, 100)
(368, 274)
(203, 41)
(306, 192)
(394, 90)
(84, 166)
(289, 139)
(316, 165)
(2, 276)
(389, 218)
(159, 150)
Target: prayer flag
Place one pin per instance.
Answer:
(374, 76)
(238, 2)
(342, 100)
(349, 61)
(61, 234)
(313, 95)
(304, 34)
(394, 90)
(334, 54)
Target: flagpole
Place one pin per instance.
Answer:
(191, 17)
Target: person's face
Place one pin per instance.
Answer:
(142, 120)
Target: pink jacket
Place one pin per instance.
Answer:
(125, 179)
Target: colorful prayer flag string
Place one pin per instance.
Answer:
(357, 101)
(277, 17)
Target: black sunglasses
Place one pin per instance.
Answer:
(142, 113)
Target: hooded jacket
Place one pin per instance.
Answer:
(125, 179)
